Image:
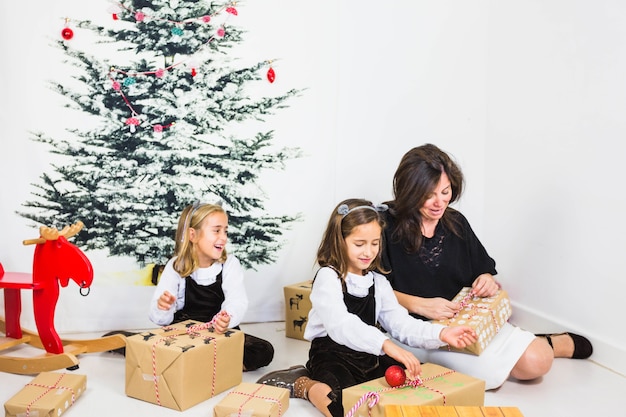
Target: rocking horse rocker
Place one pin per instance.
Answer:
(55, 262)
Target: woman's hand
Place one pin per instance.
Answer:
(485, 286)
(222, 321)
(432, 308)
(406, 358)
(438, 308)
(459, 337)
(165, 301)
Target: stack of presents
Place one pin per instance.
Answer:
(182, 365)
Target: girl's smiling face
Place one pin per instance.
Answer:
(210, 240)
(362, 246)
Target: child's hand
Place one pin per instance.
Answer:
(222, 321)
(458, 336)
(166, 300)
(406, 358)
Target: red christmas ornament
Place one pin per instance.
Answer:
(67, 33)
(271, 75)
(395, 376)
(115, 17)
(193, 72)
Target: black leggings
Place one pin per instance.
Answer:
(256, 352)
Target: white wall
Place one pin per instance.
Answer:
(554, 163)
(526, 95)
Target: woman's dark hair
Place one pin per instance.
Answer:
(415, 179)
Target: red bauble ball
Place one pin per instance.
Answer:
(395, 376)
(67, 34)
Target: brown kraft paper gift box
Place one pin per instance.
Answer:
(440, 386)
(449, 411)
(486, 315)
(297, 307)
(49, 394)
(181, 365)
(253, 400)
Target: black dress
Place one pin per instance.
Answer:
(203, 302)
(339, 366)
(444, 264)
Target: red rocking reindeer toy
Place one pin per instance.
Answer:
(55, 262)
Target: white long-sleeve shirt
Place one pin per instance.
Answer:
(236, 299)
(329, 315)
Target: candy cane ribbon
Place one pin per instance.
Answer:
(191, 330)
(374, 396)
(465, 302)
(262, 397)
(48, 389)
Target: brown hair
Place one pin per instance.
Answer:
(192, 217)
(332, 250)
(415, 179)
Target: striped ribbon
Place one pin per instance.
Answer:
(261, 397)
(475, 308)
(48, 389)
(373, 397)
(191, 330)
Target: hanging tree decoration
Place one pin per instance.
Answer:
(231, 10)
(133, 122)
(130, 79)
(67, 33)
(271, 75)
(115, 11)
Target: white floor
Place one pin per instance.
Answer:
(572, 388)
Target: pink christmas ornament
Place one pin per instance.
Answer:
(132, 122)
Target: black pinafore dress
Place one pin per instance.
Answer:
(203, 302)
(340, 366)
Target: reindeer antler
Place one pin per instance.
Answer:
(52, 233)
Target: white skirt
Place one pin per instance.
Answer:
(493, 365)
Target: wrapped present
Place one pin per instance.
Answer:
(297, 307)
(181, 365)
(484, 314)
(253, 400)
(449, 411)
(49, 394)
(437, 385)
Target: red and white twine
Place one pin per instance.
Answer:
(373, 397)
(253, 395)
(48, 389)
(191, 330)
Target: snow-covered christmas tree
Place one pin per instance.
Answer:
(171, 131)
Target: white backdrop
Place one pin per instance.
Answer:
(528, 96)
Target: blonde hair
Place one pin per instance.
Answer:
(192, 217)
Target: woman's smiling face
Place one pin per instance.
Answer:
(433, 208)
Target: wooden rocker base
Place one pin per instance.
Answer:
(50, 361)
